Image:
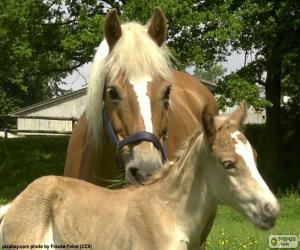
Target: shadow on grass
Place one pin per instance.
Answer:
(25, 159)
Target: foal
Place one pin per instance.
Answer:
(217, 165)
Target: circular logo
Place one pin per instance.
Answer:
(274, 241)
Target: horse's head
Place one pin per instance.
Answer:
(134, 106)
(136, 93)
(235, 178)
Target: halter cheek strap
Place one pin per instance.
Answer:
(134, 138)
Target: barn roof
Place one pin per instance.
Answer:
(210, 85)
(51, 102)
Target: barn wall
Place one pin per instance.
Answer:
(74, 108)
(69, 108)
(253, 116)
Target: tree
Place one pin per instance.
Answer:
(210, 72)
(40, 43)
(271, 29)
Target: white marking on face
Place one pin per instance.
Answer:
(255, 197)
(140, 86)
(245, 151)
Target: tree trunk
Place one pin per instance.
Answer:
(272, 162)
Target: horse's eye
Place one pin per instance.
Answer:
(229, 165)
(114, 94)
(165, 134)
(166, 96)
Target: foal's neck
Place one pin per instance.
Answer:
(186, 190)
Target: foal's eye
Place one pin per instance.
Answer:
(166, 96)
(229, 165)
(114, 94)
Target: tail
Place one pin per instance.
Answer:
(3, 211)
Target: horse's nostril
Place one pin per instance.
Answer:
(268, 210)
(135, 173)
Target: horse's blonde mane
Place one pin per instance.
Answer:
(134, 55)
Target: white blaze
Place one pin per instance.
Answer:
(245, 151)
(140, 86)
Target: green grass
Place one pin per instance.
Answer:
(24, 159)
(232, 231)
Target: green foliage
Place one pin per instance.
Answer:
(234, 89)
(262, 29)
(40, 43)
(210, 72)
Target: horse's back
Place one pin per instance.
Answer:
(80, 153)
(189, 97)
(34, 216)
(188, 82)
(62, 210)
(75, 149)
(28, 217)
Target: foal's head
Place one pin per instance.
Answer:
(137, 90)
(233, 171)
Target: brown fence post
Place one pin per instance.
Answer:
(73, 123)
(5, 133)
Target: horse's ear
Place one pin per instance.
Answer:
(158, 26)
(239, 114)
(112, 28)
(208, 125)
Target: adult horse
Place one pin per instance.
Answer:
(135, 102)
(217, 165)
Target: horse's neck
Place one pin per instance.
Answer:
(103, 163)
(186, 190)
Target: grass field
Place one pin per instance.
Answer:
(232, 231)
(23, 160)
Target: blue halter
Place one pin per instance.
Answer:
(136, 137)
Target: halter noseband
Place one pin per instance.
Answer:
(136, 137)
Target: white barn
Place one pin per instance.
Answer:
(253, 116)
(71, 106)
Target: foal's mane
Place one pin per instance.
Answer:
(135, 54)
(181, 156)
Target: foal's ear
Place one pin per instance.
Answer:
(239, 114)
(112, 28)
(208, 125)
(158, 26)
